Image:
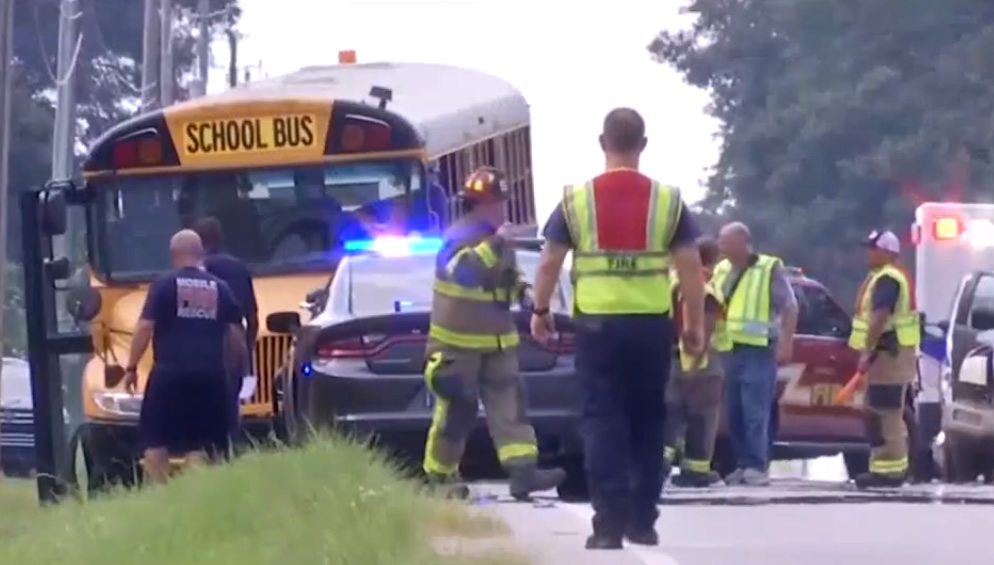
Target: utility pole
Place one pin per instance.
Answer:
(64, 135)
(166, 70)
(233, 57)
(150, 57)
(203, 44)
(6, 56)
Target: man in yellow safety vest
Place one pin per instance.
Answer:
(886, 331)
(756, 294)
(624, 229)
(473, 342)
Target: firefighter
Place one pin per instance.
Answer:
(472, 345)
(886, 331)
(693, 394)
(624, 229)
(756, 293)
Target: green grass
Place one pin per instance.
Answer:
(331, 502)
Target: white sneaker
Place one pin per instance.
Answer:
(735, 477)
(755, 478)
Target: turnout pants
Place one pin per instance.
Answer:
(887, 382)
(461, 380)
(693, 410)
(623, 362)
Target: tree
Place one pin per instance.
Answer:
(110, 54)
(108, 74)
(839, 116)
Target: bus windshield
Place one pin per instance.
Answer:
(274, 219)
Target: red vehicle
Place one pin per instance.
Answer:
(807, 421)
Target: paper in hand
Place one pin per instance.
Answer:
(248, 387)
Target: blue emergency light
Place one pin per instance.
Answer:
(395, 246)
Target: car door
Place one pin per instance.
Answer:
(822, 363)
(973, 313)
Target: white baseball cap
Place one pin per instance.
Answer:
(883, 240)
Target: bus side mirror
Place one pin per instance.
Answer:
(283, 322)
(57, 269)
(83, 303)
(53, 214)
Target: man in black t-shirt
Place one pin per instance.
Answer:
(191, 319)
(236, 274)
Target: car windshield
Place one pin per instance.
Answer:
(377, 284)
(274, 219)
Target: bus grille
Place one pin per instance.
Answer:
(270, 354)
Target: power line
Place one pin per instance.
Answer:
(58, 81)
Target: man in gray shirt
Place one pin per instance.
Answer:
(760, 342)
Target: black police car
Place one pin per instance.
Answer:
(357, 363)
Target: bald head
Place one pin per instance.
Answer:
(734, 239)
(186, 249)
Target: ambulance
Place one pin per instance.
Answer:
(954, 253)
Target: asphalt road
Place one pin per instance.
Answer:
(794, 522)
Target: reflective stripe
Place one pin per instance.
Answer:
(889, 466)
(669, 454)
(472, 317)
(473, 341)
(696, 465)
(614, 281)
(718, 341)
(749, 313)
(430, 463)
(482, 250)
(905, 322)
(516, 450)
(486, 253)
(471, 293)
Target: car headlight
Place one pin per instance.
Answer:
(119, 403)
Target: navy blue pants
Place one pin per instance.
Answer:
(750, 381)
(623, 363)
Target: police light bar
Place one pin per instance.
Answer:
(394, 246)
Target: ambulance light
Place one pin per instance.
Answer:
(947, 228)
(393, 246)
(980, 233)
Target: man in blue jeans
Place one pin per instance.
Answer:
(761, 318)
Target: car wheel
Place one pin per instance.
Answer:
(921, 465)
(960, 458)
(101, 471)
(279, 410)
(574, 488)
(857, 463)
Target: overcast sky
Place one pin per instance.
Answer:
(573, 61)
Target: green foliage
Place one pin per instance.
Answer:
(108, 76)
(831, 110)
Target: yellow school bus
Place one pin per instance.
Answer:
(291, 167)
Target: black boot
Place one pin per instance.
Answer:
(526, 478)
(878, 480)
(643, 537)
(693, 479)
(600, 541)
(446, 486)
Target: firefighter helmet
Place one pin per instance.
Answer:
(485, 184)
